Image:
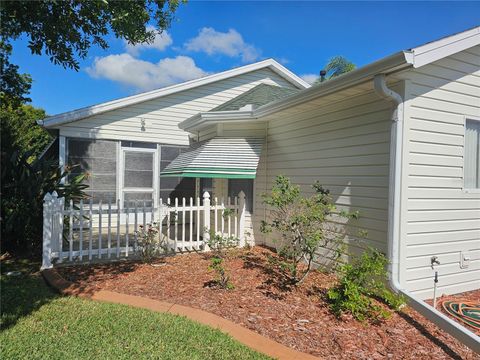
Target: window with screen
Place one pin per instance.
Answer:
(97, 158)
(138, 169)
(472, 154)
(172, 187)
(245, 185)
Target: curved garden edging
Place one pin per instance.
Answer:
(241, 334)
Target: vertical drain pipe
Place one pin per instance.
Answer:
(458, 331)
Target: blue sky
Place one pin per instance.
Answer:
(209, 37)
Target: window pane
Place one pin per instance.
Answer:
(245, 185)
(139, 144)
(138, 161)
(138, 179)
(172, 187)
(97, 158)
(472, 155)
(138, 169)
(129, 199)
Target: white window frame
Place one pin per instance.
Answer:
(467, 190)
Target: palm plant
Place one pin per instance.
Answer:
(336, 66)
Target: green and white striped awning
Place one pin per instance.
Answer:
(220, 157)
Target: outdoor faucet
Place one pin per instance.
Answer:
(434, 261)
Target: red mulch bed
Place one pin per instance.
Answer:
(296, 317)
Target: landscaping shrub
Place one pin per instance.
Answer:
(304, 224)
(149, 242)
(219, 244)
(360, 282)
(24, 185)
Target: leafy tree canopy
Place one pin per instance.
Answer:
(14, 86)
(65, 30)
(21, 132)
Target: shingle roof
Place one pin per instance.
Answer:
(259, 95)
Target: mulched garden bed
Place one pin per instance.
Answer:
(296, 317)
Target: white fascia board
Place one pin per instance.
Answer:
(389, 64)
(85, 112)
(436, 50)
(361, 75)
(201, 120)
(415, 57)
(288, 75)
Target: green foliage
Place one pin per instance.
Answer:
(222, 279)
(303, 223)
(13, 86)
(336, 66)
(219, 244)
(21, 132)
(362, 281)
(24, 186)
(39, 324)
(150, 242)
(65, 30)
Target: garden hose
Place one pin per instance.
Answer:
(465, 311)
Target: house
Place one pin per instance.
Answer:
(398, 140)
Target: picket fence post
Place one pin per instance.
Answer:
(206, 220)
(47, 232)
(241, 217)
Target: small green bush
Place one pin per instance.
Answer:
(150, 243)
(362, 281)
(219, 244)
(301, 224)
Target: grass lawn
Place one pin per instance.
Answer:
(39, 324)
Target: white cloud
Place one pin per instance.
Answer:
(161, 42)
(145, 75)
(309, 78)
(229, 43)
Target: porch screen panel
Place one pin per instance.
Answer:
(139, 198)
(172, 187)
(245, 185)
(138, 170)
(97, 158)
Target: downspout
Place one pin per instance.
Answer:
(458, 331)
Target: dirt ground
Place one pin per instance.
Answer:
(298, 317)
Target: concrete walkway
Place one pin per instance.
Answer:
(239, 333)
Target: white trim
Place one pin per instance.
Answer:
(156, 195)
(414, 57)
(203, 119)
(464, 189)
(78, 114)
(62, 155)
(118, 184)
(155, 171)
(436, 50)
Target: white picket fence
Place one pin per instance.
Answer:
(84, 232)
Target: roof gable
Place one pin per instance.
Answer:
(82, 113)
(409, 58)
